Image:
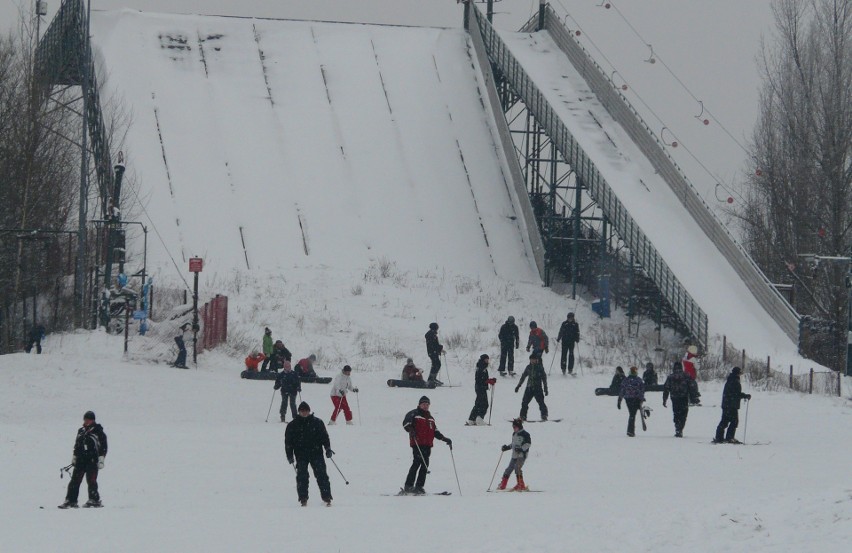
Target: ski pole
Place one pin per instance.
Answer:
(338, 470)
(271, 401)
(491, 405)
(495, 470)
(358, 404)
(453, 457)
(65, 469)
(745, 423)
(422, 459)
(551, 362)
(449, 383)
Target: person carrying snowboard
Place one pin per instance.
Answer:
(481, 381)
(677, 386)
(304, 441)
(732, 395)
(289, 383)
(536, 387)
(410, 372)
(509, 341)
(434, 350)
(341, 384)
(90, 449)
(267, 347)
(538, 340)
(422, 432)
(569, 334)
(520, 448)
(633, 392)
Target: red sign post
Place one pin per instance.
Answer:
(195, 264)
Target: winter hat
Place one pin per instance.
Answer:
(267, 331)
(483, 357)
(677, 367)
(304, 406)
(312, 357)
(634, 370)
(692, 350)
(533, 356)
(347, 369)
(433, 326)
(618, 369)
(510, 319)
(518, 422)
(533, 325)
(649, 366)
(570, 315)
(409, 361)
(89, 415)
(736, 370)
(424, 399)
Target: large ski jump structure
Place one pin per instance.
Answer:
(260, 144)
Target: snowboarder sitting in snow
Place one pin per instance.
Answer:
(731, 398)
(290, 385)
(253, 360)
(520, 448)
(422, 432)
(304, 441)
(410, 372)
(633, 392)
(536, 387)
(90, 449)
(342, 383)
(649, 377)
(280, 354)
(480, 386)
(305, 367)
(615, 385)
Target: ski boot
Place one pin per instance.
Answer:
(69, 505)
(502, 373)
(327, 501)
(350, 423)
(732, 441)
(418, 490)
(678, 433)
(520, 486)
(93, 503)
(331, 423)
(503, 483)
(283, 418)
(470, 423)
(303, 502)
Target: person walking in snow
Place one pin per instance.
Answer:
(305, 367)
(690, 368)
(633, 392)
(304, 441)
(732, 395)
(341, 384)
(90, 449)
(520, 448)
(677, 386)
(569, 334)
(267, 347)
(36, 336)
(538, 340)
(290, 384)
(280, 355)
(410, 372)
(509, 341)
(617, 378)
(422, 431)
(481, 381)
(181, 340)
(536, 388)
(649, 377)
(434, 350)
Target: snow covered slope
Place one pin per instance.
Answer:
(263, 144)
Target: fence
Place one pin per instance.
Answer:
(214, 323)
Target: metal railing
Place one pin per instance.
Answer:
(645, 254)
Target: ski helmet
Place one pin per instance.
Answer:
(89, 415)
(433, 326)
(533, 325)
(347, 369)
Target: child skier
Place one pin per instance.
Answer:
(342, 383)
(520, 448)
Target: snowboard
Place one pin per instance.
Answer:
(514, 491)
(315, 379)
(259, 375)
(606, 392)
(395, 383)
(548, 420)
(403, 493)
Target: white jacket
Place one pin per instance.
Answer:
(340, 385)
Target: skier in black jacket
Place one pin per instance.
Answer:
(90, 449)
(569, 334)
(480, 386)
(536, 387)
(304, 441)
(510, 340)
(434, 351)
(290, 384)
(731, 397)
(678, 385)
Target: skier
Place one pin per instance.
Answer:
(633, 392)
(90, 449)
(342, 383)
(280, 354)
(181, 341)
(267, 347)
(650, 375)
(36, 336)
(253, 360)
(304, 440)
(569, 334)
(732, 395)
(290, 385)
(410, 372)
(509, 341)
(520, 448)
(690, 368)
(422, 432)
(434, 351)
(480, 386)
(305, 367)
(538, 340)
(678, 386)
(615, 385)
(536, 387)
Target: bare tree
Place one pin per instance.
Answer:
(800, 202)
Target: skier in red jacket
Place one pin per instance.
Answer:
(422, 432)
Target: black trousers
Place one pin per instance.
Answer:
(567, 352)
(633, 405)
(507, 357)
(730, 420)
(436, 366)
(36, 342)
(285, 399)
(181, 357)
(90, 471)
(317, 463)
(680, 410)
(529, 394)
(419, 466)
(480, 406)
